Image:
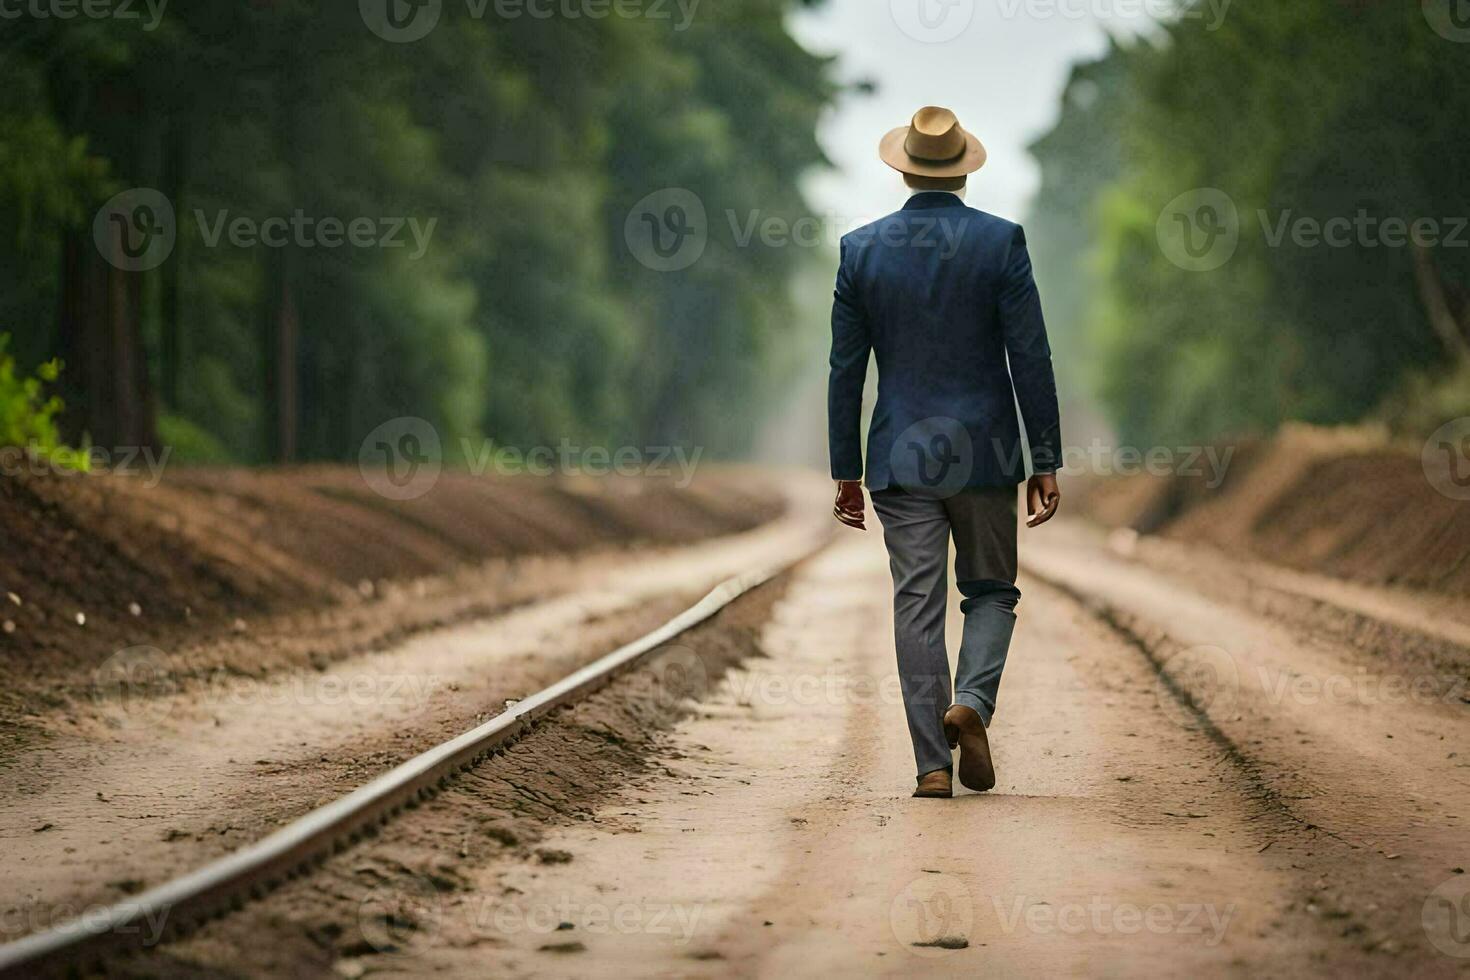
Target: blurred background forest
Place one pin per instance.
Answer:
(528, 140)
(1313, 109)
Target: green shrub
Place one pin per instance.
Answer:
(189, 443)
(28, 416)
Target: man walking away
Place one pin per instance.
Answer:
(943, 297)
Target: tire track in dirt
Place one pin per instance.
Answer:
(1358, 749)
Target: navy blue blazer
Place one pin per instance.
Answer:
(943, 296)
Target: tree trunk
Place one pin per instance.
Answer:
(281, 337)
(105, 384)
(78, 333)
(280, 340)
(171, 340)
(106, 381)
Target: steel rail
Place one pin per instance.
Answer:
(171, 909)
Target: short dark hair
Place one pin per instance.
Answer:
(934, 183)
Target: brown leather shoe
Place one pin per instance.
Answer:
(935, 785)
(963, 728)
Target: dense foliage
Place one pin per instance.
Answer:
(28, 414)
(524, 140)
(1315, 110)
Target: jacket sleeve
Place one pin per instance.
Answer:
(1030, 358)
(851, 345)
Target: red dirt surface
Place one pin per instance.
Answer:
(94, 564)
(1338, 502)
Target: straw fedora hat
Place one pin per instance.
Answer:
(933, 145)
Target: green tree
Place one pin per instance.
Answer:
(524, 141)
(1267, 110)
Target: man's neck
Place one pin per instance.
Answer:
(918, 190)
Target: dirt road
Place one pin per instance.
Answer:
(136, 784)
(1131, 832)
(1206, 767)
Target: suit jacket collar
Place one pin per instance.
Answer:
(927, 200)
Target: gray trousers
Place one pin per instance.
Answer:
(917, 531)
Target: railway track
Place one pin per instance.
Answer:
(172, 909)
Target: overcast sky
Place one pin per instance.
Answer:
(999, 64)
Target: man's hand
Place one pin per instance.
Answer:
(1042, 499)
(850, 505)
